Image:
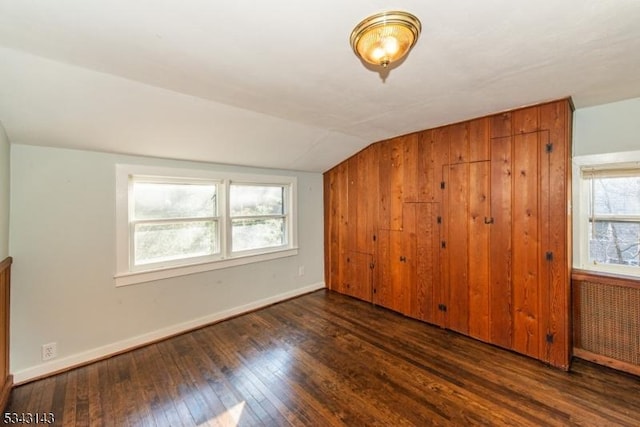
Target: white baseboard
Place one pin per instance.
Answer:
(105, 351)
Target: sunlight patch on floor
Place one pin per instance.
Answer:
(229, 418)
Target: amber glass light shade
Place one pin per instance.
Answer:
(385, 37)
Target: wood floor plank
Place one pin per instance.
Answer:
(325, 359)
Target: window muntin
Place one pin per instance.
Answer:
(614, 217)
(176, 238)
(258, 216)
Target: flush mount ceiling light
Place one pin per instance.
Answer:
(385, 37)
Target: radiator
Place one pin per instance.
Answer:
(606, 316)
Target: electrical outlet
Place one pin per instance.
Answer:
(49, 351)
(301, 270)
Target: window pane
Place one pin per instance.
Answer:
(165, 242)
(249, 200)
(162, 201)
(617, 195)
(257, 233)
(614, 243)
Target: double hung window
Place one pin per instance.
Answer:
(614, 216)
(172, 222)
(608, 215)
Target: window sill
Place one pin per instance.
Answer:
(132, 278)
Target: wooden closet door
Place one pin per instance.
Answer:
(526, 244)
(500, 284)
(358, 276)
(457, 247)
(424, 302)
(396, 270)
(479, 228)
(336, 225)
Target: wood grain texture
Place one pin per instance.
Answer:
(353, 222)
(459, 143)
(330, 360)
(383, 285)
(556, 117)
(410, 163)
(425, 304)
(479, 140)
(501, 284)
(493, 277)
(479, 229)
(384, 185)
(396, 183)
(457, 247)
(358, 278)
(526, 245)
(368, 200)
(6, 379)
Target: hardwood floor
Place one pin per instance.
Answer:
(328, 360)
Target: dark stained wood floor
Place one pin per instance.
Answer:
(328, 360)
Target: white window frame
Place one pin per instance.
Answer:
(582, 207)
(286, 215)
(127, 273)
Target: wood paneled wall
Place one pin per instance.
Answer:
(465, 226)
(5, 298)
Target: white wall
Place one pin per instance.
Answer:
(63, 244)
(4, 194)
(607, 128)
(602, 134)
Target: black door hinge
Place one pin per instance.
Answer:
(442, 307)
(550, 338)
(444, 244)
(374, 237)
(439, 220)
(371, 265)
(549, 147)
(442, 185)
(549, 256)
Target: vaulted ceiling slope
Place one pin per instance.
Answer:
(275, 84)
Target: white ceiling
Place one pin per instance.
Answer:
(275, 84)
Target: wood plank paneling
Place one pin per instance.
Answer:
(425, 305)
(556, 117)
(526, 245)
(491, 280)
(353, 223)
(384, 185)
(358, 278)
(442, 293)
(368, 188)
(342, 210)
(459, 143)
(525, 120)
(329, 228)
(383, 283)
(5, 303)
(410, 165)
(428, 171)
(402, 244)
(396, 183)
(501, 125)
(479, 140)
(457, 247)
(479, 229)
(500, 288)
